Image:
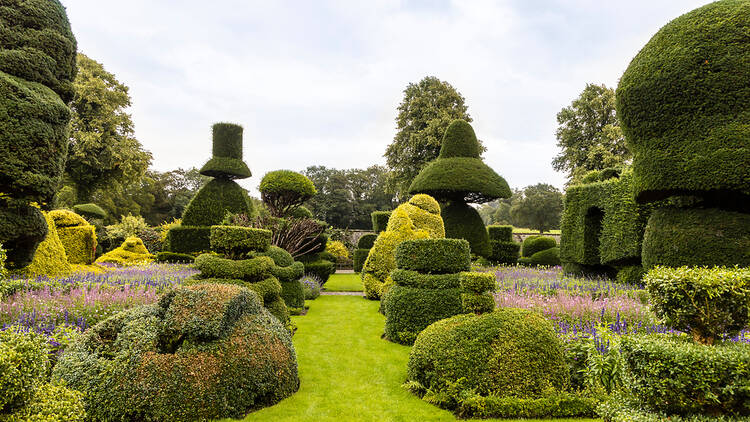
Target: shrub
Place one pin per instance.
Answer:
(52, 402)
(321, 269)
(3, 257)
(433, 255)
(280, 257)
(534, 244)
(680, 108)
(202, 352)
(174, 257)
(408, 278)
(284, 190)
(500, 233)
(708, 302)
(360, 256)
(50, 259)
(65, 218)
(301, 212)
(212, 266)
(129, 225)
(226, 162)
(462, 221)
(131, 252)
(338, 249)
(672, 375)
(504, 252)
(90, 210)
(213, 201)
(77, 236)
(237, 241)
(311, 287)
(186, 239)
(620, 409)
(478, 286)
(548, 258)
(410, 310)
(676, 237)
(380, 220)
(293, 293)
(505, 353)
(367, 240)
(23, 367)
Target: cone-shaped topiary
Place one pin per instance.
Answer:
(457, 177)
(226, 162)
(37, 68)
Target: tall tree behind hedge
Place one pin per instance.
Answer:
(424, 114)
(538, 208)
(589, 134)
(103, 148)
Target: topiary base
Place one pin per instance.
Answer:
(410, 310)
(462, 221)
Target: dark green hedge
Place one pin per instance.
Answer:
(367, 241)
(410, 310)
(293, 294)
(500, 233)
(476, 282)
(203, 352)
(676, 237)
(459, 140)
(186, 239)
(360, 256)
(477, 303)
(247, 269)
(558, 405)
(322, 269)
(226, 162)
(380, 220)
(462, 221)
(534, 244)
(408, 278)
(684, 104)
(672, 375)
(290, 273)
(22, 229)
(632, 274)
(90, 210)
(505, 353)
(209, 206)
(174, 257)
(280, 256)
(504, 252)
(438, 256)
(300, 212)
(548, 258)
(282, 181)
(236, 240)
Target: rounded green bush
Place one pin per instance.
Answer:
(293, 294)
(23, 367)
(478, 282)
(548, 257)
(505, 353)
(203, 352)
(439, 256)
(217, 197)
(280, 256)
(632, 275)
(301, 212)
(462, 221)
(52, 402)
(212, 266)
(366, 241)
(477, 303)
(226, 162)
(500, 233)
(409, 278)
(284, 190)
(684, 104)
(22, 229)
(534, 244)
(90, 210)
(676, 237)
(380, 220)
(237, 240)
(410, 310)
(290, 273)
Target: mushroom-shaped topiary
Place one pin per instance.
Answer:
(90, 210)
(457, 177)
(284, 191)
(203, 352)
(37, 68)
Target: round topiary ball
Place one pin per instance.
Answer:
(284, 190)
(508, 352)
(203, 352)
(684, 105)
(534, 244)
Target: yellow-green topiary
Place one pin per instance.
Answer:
(78, 237)
(49, 259)
(417, 219)
(131, 252)
(338, 249)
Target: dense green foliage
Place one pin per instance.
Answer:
(236, 241)
(506, 353)
(478, 286)
(284, 190)
(50, 259)
(174, 257)
(320, 269)
(77, 236)
(367, 241)
(203, 352)
(426, 111)
(684, 104)
(131, 252)
(500, 233)
(547, 257)
(409, 310)
(675, 237)
(380, 220)
(708, 302)
(51, 402)
(90, 210)
(359, 258)
(213, 201)
(433, 256)
(186, 239)
(23, 368)
(503, 250)
(226, 162)
(409, 278)
(538, 207)
(675, 376)
(462, 221)
(534, 244)
(288, 272)
(589, 135)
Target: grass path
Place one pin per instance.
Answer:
(344, 283)
(347, 372)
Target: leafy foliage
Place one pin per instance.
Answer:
(226, 162)
(213, 201)
(50, 258)
(462, 221)
(433, 256)
(534, 244)
(237, 241)
(284, 190)
(90, 210)
(131, 252)
(539, 207)
(380, 220)
(23, 367)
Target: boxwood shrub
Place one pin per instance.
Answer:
(188, 239)
(500, 233)
(410, 278)
(211, 203)
(23, 367)
(534, 244)
(237, 240)
(380, 220)
(360, 256)
(462, 221)
(410, 310)
(548, 257)
(321, 269)
(366, 241)
(438, 256)
(506, 253)
(172, 257)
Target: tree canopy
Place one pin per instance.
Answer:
(539, 207)
(589, 134)
(426, 111)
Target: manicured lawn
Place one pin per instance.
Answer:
(347, 371)
(344, 283)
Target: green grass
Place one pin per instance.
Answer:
(344, 283)
(347, 372)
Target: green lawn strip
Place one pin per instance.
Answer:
(347, 371)
(344, 283)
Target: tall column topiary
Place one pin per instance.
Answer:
(37, 68)
(459, 177)
(684, 104)
(217, 197)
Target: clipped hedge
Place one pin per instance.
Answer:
(213, 201)
(462, 221)
(203, 352)
(478, 287)
(50, 259)
(410, 310)
(22, 229)
(674, 376)
(500, 233)
(23, 367)
(321, 269)
(534, 244)
(237, 240)
(280, 257)
(684, 104)
(90, 210)
(438, 256)
(557, 405)
(367, 241)
(505, 353)
(79, 243)
(131, 252)
(409, 278)
(293, 294)
(173, 257)
(380, 220)
(506, 253)
(548, 258)
(675, 237)
(212, 266)
(360, 256)
(188, 239)
(226, 162)
(51, 402)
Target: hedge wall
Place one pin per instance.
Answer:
(462, 221)
(187, 239)
(500, 233)
(380, 220)
(213, 201)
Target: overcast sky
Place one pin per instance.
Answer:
(318, 82)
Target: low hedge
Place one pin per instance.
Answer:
(409, 278)
(672, 375)
(620, 409)
(173, 257)
(360, 256)
(188, 239)
(504, 252)
(534, 244)
(366, 241)
(131, 252)
(51, 402)
(212, 266)
(477, 303)
(548, 257)
(438, 256)
(236, 240)
(500, 233)
(320, 269)
(268, 289)
(290, 273)
(478, 282)
(557, 405)
(380, 220)
(708, 302)
(280, 256)
(410, 310)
